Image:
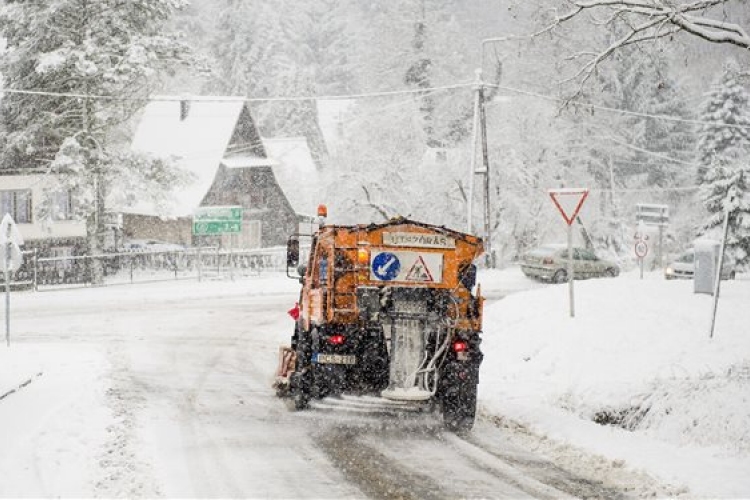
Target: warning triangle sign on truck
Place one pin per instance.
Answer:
(419, 272)
(569, 201)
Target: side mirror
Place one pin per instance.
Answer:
(292, 252)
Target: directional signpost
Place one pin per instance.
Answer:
(217, 220)
(654, 215)
(210, 221)
(569, 202)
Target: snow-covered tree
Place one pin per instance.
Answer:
(642, 24)
(727, 187)
(318, 38)
(723, 148)
(91, 65)
(244, 45)
(725, 114)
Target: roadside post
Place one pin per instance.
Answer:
(217, 220)
(569, 202)
(641, 247)
(12, 257)
(725, 232)
(654, 215)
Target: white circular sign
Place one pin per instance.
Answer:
(641, 249)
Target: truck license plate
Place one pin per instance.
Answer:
(336, 359)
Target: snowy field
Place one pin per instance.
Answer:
(636, 357)
(637, 353)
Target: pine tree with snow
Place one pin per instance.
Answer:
(726, 116)
(723, 151)
(68, 52)
(726, 186)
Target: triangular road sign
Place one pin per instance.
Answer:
(419, 272)
(569, 201)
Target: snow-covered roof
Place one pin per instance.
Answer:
(198, 141)
(295, 172)
(333, 115)
(247, 161)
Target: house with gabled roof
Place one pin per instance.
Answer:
(215, 140)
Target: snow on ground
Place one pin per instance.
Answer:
(637, 354)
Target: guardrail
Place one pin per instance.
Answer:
(44, 273)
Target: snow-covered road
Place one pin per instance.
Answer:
(165, 390)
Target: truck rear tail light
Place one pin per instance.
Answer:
(460, 346)
(336, 339)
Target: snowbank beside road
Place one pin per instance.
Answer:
(638, 358)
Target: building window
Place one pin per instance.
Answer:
(257, 198)
(17, 203)
(62, 205)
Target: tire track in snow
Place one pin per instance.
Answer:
(124, 473)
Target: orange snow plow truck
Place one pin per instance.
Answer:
(387, 309)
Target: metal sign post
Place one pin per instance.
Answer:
(6, 271)
(569, 202)
(641, 247)
(717, 283)
(11, 255)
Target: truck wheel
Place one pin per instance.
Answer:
(459, 408)
(301, 388)
(300, 382)
(301, 401)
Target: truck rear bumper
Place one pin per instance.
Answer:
(411, 394)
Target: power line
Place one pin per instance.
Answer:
(671, 118)
(366, 95)
(194, 98)
(648, 152)
(646, 190)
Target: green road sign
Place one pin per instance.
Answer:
(217, 220)
(218, 213)
(216, 227)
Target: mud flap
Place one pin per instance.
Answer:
(286, 366)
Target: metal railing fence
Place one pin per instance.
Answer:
(44, 273)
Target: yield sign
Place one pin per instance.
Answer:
(569, 201)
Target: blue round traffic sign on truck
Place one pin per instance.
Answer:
(386, 266)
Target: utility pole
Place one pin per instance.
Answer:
(473, 159)
(486, 171)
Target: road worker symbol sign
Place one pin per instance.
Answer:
(411, 267)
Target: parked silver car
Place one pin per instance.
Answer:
(550, 263)
(683, 267)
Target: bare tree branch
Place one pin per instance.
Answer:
(378, 208)
(644, 21)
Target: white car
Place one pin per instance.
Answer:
(683, 267)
